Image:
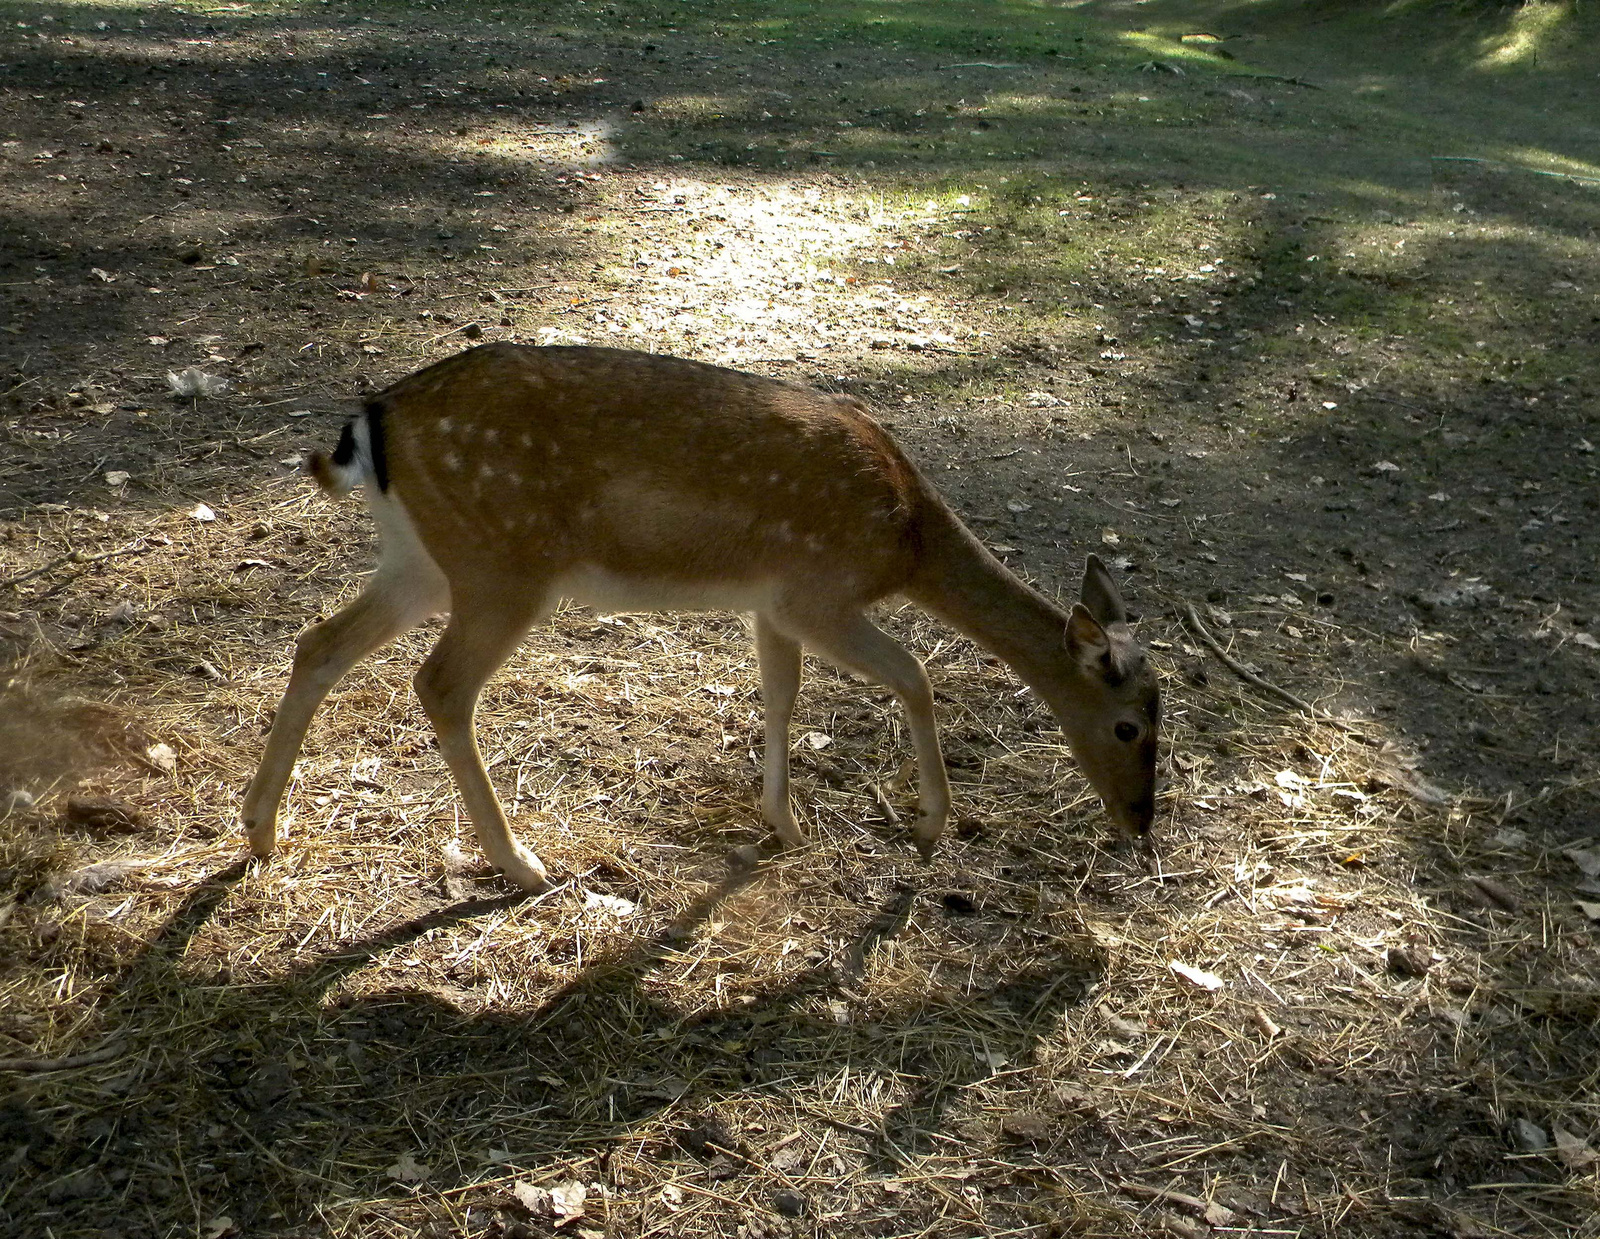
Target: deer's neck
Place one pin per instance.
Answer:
(958, 580)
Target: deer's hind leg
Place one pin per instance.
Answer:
(482, 633)
(780, 685)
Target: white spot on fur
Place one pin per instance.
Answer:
(527, 439)
(445, 425)
(490, 435)
(452, 462)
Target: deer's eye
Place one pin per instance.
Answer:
(1127, 732)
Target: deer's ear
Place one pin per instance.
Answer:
(1101, 596)
(1086, 638)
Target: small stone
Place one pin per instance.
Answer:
(789, 1204)
(744, 858)
(1027, 1128)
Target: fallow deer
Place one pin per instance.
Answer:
(508, 477)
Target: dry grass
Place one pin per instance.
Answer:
(368, 1035)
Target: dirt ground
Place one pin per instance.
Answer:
(1291, 316)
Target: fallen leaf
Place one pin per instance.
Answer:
(194, 383)
(1590, 910)
(202, 513)
(1495, 893)
(1027, 1128)
(1588, 640)
(1414, 785)
(614, 904)
(1196, 976)
(408, 1170)
(1574, 1151)
(92, 879)
(536, 1200)
(1410, 961)
(1587, 860)
(117, 477)
(103, 815)
(162, 757)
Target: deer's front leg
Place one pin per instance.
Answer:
(389, 606)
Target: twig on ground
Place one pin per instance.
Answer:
(78, 557)
(108, 1051)
(1192, 619)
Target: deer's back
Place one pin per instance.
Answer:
(605, 465)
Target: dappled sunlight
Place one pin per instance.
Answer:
(777, 273)
(680, 107)
(1300, 341)
(577, 143)
(1529, 27)
(1539, 160)
(1179, 49)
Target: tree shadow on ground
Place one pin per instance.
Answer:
(309, 1096)
(1497, 685)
